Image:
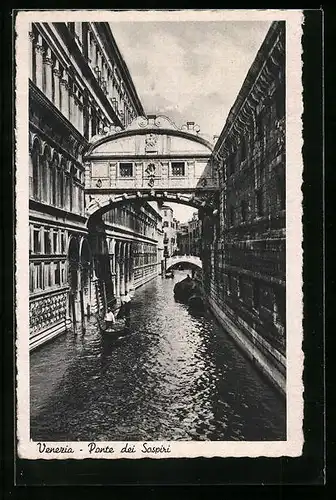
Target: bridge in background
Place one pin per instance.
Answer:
(183, 259)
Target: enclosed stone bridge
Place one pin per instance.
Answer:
(192, 260)
(152, 159)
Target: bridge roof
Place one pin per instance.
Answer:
(141, 138)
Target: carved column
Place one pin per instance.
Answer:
(31, 52)
(57, 82)
(112, 173)
(117, 270)
(131, 271)
(76, 112)
(72, 111)
(80, 118)
(31, 175)
(122, 269)
(39, 50)
(48, 62)
(65, 94)
(126, 267)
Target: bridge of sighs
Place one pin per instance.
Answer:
(151, 160)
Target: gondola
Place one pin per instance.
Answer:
(196, 303)
(118, 329)
(169, 274)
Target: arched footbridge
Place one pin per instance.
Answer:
(183, 259)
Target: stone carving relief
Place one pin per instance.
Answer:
(46, 311)
(151, 143)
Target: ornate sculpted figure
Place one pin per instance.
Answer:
(150, 142)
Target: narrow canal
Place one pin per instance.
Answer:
(175, 377)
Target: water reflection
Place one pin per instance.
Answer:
(175, 376)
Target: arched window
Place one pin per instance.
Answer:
(61, 187)
(53, 185)
(45, 160)
(73, 260)
(35, 167)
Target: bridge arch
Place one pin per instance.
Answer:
(97, 206)
(191, 260)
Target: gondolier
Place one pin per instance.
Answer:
(109, 318)
(126, 306)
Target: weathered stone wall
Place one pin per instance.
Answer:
(246, 266)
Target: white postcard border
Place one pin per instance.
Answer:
(294, 166)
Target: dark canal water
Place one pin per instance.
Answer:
(175, 377)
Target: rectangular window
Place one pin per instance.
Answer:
(63, 273)
(86, 120)
(47, 241)
(57, 277)
(55, 241)
(165, 224)
(126, 169)
(37, 240)
(31, 278)
(62, 243)
(47, 275)
(38, 276)
(178, 168)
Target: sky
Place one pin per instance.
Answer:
(189, 71)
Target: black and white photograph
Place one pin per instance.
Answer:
(158, 272)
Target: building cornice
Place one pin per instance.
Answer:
(44, 209)
(136, 158)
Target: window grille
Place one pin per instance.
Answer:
(126, 169)
(178, 168)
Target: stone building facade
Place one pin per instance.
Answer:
(169, 224)
(79, 88)
(244, 244)
(189, 236)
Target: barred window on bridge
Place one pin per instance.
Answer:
(126, 169)
(178, 169)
